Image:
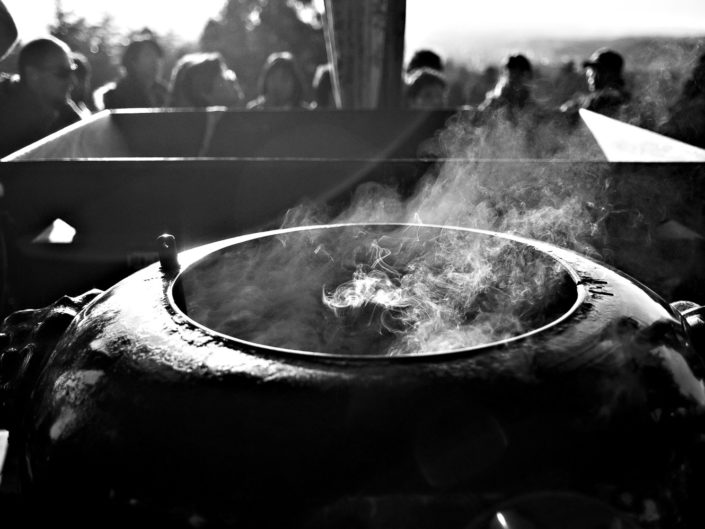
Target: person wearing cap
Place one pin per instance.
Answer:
(607, 94)
(36, 102)
(511, 96)
(426, 89)
(686, 120)
(140, 87)
(424, 59)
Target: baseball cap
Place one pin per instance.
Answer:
(605, 59)
(518, 62)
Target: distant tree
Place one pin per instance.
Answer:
(247, 31)
(103, 44)
(98, 42)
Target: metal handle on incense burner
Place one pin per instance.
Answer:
(168, 253)
(27, 337)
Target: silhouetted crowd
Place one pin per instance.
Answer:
(52, 89)
(511, 94)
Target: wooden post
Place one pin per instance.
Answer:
(365, 43)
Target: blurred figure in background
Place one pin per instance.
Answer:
(426, 89)
(8, 31)
(203, 80)
(510, 122)
(511, 96)
(36, 102)
(569, 83)
(486, 82)
(81, 91)
(425, 59)
(686, 121)
(141, 86)
(281, 85)
(425, 85)
(607, 93)
(323, 87)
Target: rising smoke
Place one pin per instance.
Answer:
(533, 181)
(414, 290)
(378, 290)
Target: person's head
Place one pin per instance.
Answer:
(426, 88)
(46, 69)
(280, 82)
(323, 87)
(203, 79)
(604, 69)
(425, 59)
(142, 60)
(518, 70)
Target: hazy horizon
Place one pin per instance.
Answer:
(457, 29)
(476, 25)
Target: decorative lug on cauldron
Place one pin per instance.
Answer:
(168, 255)
(694, 316)
(27, 337)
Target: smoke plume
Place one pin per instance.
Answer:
(413, 290)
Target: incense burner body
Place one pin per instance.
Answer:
(141, 410)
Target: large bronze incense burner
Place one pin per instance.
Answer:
(153, 407)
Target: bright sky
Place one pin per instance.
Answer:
(445, 24)
(186, 19)
(441, 24)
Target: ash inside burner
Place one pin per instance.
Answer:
(377, 290)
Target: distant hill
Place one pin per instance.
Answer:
(640, 53)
